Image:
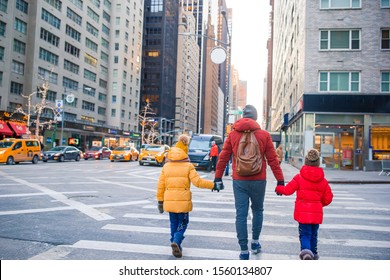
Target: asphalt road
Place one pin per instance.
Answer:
(102, 210)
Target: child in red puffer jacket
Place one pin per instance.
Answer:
(313, 193)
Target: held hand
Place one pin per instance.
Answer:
(160, 207)
(218, 185)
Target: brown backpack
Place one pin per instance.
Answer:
(249, 158)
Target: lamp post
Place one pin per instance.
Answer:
(69, 98)
(218, 55)
(226, 103)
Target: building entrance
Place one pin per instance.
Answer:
(339, 147)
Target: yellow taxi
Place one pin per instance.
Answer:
(124, 153)
(19, 150)
(154, 155)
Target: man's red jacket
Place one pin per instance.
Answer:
(266, 146)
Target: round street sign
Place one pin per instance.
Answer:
(70, 98)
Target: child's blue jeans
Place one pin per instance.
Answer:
(179, 222)
(308, 236)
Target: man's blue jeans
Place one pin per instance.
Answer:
(245, 192)
(308, 236)
(179, 222)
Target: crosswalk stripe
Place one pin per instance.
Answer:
(268, 238)
(283, 213)
(265, 223)
(187, 252)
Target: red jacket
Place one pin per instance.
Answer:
(266, 146)
(313, 193)
(214, 151)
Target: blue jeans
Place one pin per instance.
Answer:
(308, 236)
(245, 192)
(179, 222)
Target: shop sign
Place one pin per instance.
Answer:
(89, 127)
(112, 131)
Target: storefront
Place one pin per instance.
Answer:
(347, 140)
(84, 136)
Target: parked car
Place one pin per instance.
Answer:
(61, 153)
(97, 153)
(18, 150)
(154, 154)
(124, 153)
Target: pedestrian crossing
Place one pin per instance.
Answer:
(349, 225)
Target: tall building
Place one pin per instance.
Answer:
(187, 78)
(159, 63)
(330, 80)
(89, 52)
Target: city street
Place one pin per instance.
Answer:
(102, 210)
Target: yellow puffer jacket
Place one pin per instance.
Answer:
(175, 181)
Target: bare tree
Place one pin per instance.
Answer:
(148, 124)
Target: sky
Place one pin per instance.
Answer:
(249, 45)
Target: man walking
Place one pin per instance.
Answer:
(213, 156)
(249, 188)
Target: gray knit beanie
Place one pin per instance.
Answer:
(249, 111)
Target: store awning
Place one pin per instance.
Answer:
(4, 129)
(19, 128)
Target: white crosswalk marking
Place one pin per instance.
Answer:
(136, 228)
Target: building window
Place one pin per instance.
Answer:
(89, 75)
(51, 19)
(71, 84)
(385, 39)
(2, 28)
(47, 75)
(22, 5)
(91, 29)
(78, 3)
(70, 66)
(16, 88)
(17, 67)
(89, 90)
(340, 4)
(102, 111)
(55, 3)
(1, 53)
(93, 15)
(20, 26)
(48, 56)
(74, 16)
(385, 3)
(72, 49)
(88, 106)
(385, 81)
(50, 37)
(113, 99)
(91, 45)
(105, 30)
(19, 47)
(73, 33)
(339, 81)
(340, 39)
(102, 97)
(113, 112)
(3, 5)
(90, 59)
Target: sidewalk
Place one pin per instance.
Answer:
(339, 176)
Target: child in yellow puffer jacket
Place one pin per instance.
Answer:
(173, 191)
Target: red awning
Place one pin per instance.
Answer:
(19, 128)
(4, 129)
